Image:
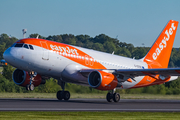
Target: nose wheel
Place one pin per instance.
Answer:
(30, 86)
(112, 96)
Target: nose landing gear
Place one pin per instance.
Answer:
(30, 87)
(32, 75)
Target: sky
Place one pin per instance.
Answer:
(132, 21)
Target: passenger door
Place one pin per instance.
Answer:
(45, 55)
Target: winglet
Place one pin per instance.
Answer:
(159, 54)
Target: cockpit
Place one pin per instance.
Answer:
(27, 46)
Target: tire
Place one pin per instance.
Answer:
(66, 95)
(116, 97)
(109, 97)
(59, 95)
(31, 87)
(27, 87)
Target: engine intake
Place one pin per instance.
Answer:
(94, 79)
(22, 78)
(19, 76)
(102, 80)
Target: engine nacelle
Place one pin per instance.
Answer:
(102, 80)
(22, 78)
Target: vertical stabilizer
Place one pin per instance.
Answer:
(159, 54)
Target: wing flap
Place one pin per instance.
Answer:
(150, 72)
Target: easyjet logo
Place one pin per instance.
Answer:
(163, 43)
(64, 50)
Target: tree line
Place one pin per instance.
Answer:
(100, 42)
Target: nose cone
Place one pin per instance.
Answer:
(8, 55)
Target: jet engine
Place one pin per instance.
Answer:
(102, 80)
(22, 78)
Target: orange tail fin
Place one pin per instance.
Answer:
(159, 54)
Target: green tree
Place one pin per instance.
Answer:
(5, 42)
(139, 53)
(56, 38)
(109, 47)
(8, 71)
(98, 46)
(2, 49)
(35, 35)
(83, 38)
(125, 52)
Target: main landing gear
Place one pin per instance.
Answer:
(113, 96)
(30, 86)
(62, 94)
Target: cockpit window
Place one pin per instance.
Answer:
(26, 46)
(19, 45)
(31, 47)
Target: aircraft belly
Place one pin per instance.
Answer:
(127, 84)
(71, 74)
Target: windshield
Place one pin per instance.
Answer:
(19, 45)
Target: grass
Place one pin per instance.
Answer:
(89, 115)
(89, 95)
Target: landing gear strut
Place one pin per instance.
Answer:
(62, 94)
(113, 96)
(32, 75)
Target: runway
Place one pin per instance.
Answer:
(89, 105)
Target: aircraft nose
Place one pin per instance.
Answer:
(8, 55)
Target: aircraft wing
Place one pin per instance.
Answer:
(142, 72)
(131, 73)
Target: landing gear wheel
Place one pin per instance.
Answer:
(66, 95)
(31, 87)
(116, 97)
(27, 87)
(63, 95)
(59, 95)
(109, 97)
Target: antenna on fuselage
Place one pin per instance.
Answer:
(37, 37)
(24, 32)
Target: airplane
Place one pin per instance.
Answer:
(37, 59)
